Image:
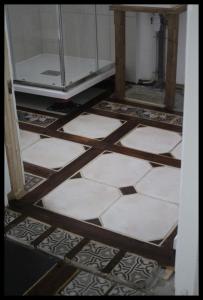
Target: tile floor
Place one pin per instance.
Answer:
(35, 119)
(125, 194)
(92, 126)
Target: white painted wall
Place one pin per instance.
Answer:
(186, 275)
(7, 183)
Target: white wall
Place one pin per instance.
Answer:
(37, 32)
(186, 276)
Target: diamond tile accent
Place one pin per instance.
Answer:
(122, 290)
(162, 183)
(87, 284)
(59, 242)
(135, 270)
(35, 119)
(27, 231)
(92, 126)
(109, 169)
(9, 216)
(52, 153)
(95, 255)
(141, 217)
(127, 190)
(151, 139)
(80, 198)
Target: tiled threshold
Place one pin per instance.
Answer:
(82, 266)
(115, 172)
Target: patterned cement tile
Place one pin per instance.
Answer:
(27, 231)
(32, 181)
(95, 255)
(135, 270)
(122, 290)
(35, 119)
(59, 242)
(86, 284)
(138, 112)
(9, 216)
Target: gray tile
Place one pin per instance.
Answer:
(9, 216)
(86, 284)
(135, 270)
(31, 181)
(27, 231)
(122, 290)
(59, 242)
(95, 255)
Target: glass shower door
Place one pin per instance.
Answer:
(35, 39)
(79, 42)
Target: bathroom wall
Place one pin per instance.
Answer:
(37, 32)
(25, 31)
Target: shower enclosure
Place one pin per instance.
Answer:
(60, 50)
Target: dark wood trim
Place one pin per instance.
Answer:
(168, 243)
(157, 158)
(38, 170)
(119, 22)
(43, 236)
(142, 105)
(176, 9)
(55, 179)
(163, 255)
(146, 122)
(113, 262)
(54, 279)
(39, 112)
(171, 65)
(77, 248)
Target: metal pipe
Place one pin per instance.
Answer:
(61, 45)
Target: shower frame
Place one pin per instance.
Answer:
(64, 87)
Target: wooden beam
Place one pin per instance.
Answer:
(11, 132)
(171, 66)
(160, 9)
(119, 21)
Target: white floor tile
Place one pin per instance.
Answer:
(92, 126)
(141, 217)
(116, 169)
(28, 138)
(52, 153)
(161, 182)
(80, 198)
(177, 151)
(151, 139)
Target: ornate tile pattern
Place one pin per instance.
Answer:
(9, 216)
(35, 119)
(122, 290)
(95, 255)
(138, 112)
(59, 242)
(27, 231)
(86, 284)
(135, 269)
(31, 181)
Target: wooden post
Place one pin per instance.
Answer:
(11, 134)
(171, 66)
(119, 21)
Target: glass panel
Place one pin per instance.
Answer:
(79, 40)
(34, 41)
(105, 36)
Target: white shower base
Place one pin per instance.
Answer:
(76, 68)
